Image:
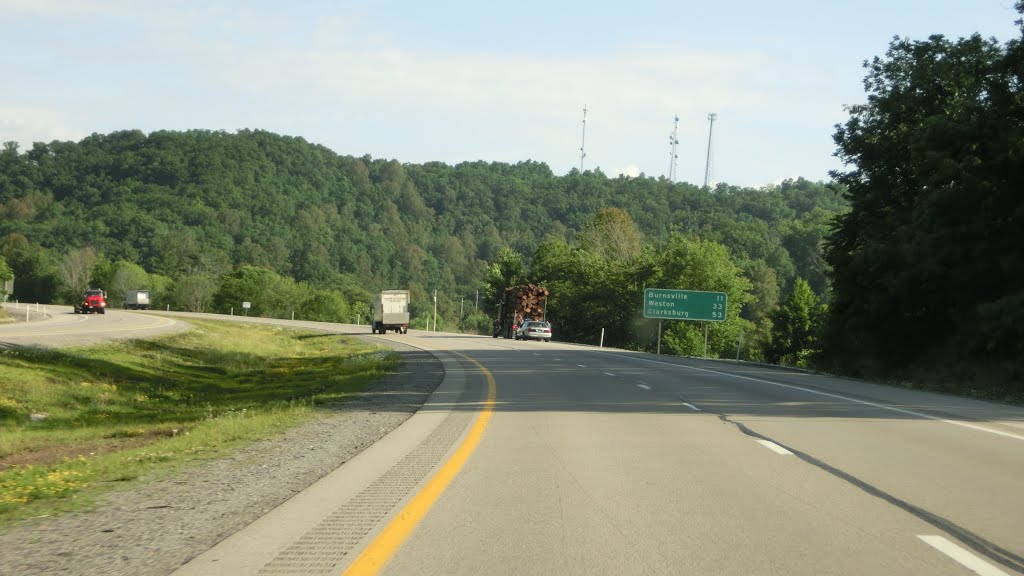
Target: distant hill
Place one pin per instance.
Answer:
(182, 202)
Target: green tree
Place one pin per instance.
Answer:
(194, 293)
(34, 271)
(5, 271)
(324, 306)
(688, 263)
(75, 271)
(126, 276)
(247, 284)
(612, 236)
(927, 264)
(796, 325)
(506, 270)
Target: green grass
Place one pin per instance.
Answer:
(121, 411)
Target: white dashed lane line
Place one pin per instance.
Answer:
(774, 447)
(970, 561)
(644, 386)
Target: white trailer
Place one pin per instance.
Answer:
(136, 300)
(391, 312)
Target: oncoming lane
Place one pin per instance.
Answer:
(62, 327)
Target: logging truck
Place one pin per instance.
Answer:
(519, 304)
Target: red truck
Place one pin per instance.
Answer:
(94, 300)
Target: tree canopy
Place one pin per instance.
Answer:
(206, 220)
(928, 264)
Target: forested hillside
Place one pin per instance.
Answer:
(192, 207)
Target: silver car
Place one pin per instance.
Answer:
(534, 330)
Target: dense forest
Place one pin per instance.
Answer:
(200, 217)
(907, 266)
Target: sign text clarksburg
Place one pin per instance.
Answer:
(684, 305)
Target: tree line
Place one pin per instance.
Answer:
(191, 209)
(906, 266)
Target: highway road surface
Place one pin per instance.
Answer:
(52, 325)
(547, 458)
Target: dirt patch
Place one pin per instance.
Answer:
(50, 455)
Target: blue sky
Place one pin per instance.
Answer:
(459, 80)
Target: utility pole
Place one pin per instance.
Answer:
(707, 165)
(583, 142)
(435, 310)
(673, 140)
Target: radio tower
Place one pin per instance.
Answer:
(583, 143)
(707, 166)
(673, 140)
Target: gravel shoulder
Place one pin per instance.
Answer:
(153, 529)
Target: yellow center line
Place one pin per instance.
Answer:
(384, 546)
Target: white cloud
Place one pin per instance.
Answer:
(27, 124)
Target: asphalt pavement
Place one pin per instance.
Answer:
(58, 326)
(549, 458)
(594, 461)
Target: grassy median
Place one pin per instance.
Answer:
(77, 422)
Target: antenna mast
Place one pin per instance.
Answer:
(707, 165)
(673, 140)
(583, 143)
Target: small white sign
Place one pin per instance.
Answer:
(246, 305)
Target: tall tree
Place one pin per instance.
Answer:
(688, 263)
(928, 265)
(796, 325)
(194, 293)
(76, 270)
(127, 276)
(612, 235)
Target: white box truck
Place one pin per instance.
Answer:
(136, 300)
(391, 312)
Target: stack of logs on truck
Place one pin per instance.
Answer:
(520, 302)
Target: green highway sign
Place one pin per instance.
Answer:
(684, 305)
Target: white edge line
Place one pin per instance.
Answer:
(691, 406)
(970, 561)
(841, 397)
(644, 386)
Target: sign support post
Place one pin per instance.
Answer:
(706, 339)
